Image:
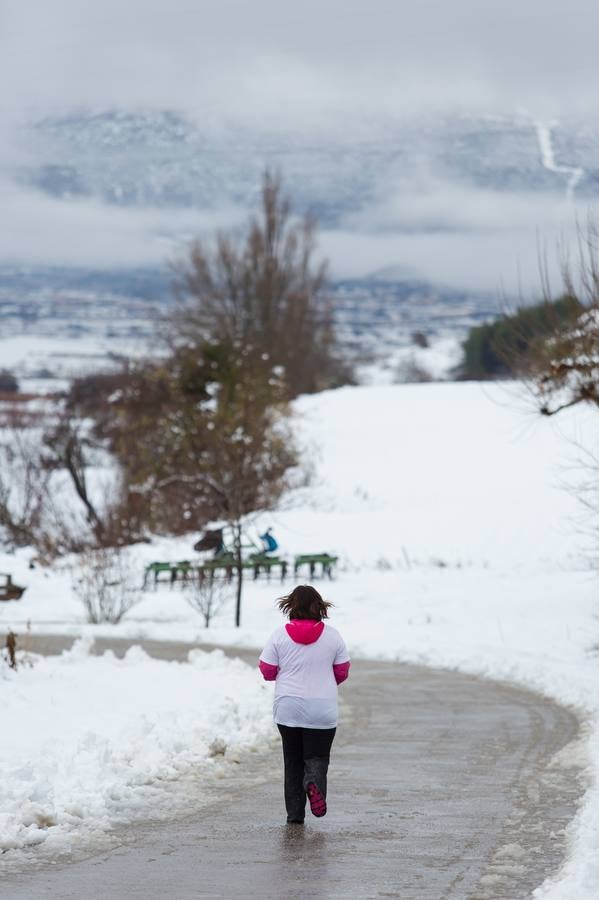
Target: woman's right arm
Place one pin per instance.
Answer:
(269, 660)
(269, 672)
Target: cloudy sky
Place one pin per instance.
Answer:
(368, 54)
(315, 65)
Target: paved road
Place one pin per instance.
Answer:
(441, 788)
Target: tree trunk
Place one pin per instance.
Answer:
(239, 572)
(75, 466)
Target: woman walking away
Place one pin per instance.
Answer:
(307, 659)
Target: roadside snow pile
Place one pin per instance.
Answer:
(93, 741)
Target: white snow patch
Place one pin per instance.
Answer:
(574, 173)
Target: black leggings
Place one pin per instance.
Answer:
(306, 754)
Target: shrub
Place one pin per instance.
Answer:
(208, 596)
(410, 371)
(501, 349)
(105, 585)
(420, 339)
(8, 382)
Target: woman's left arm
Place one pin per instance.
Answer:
(341, 671)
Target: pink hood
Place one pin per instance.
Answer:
(304, 631)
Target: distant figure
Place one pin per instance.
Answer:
(269, 542)
(307, 660)
(11, 649)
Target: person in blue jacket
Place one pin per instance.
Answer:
(269, 542)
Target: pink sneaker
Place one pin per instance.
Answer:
(318, 804)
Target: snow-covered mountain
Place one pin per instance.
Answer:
(171, 159)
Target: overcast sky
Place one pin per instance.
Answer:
(247, 56)
(390, 54)
(297, 64)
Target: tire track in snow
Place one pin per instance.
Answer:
(574, 173)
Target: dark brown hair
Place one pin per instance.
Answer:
(304, 602)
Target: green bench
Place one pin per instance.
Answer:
(258, 563)
(263, 562)
(313, 560)
(179, 571)
(225, 562)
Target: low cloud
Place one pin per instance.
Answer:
(460, 236)
(38, 229)
(457, 236)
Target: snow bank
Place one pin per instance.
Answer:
(92, 741)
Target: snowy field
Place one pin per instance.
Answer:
(409, 363)
(48, 363)
(459, 546)
(32, 358)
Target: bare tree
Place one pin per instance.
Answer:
(67, 443)
(24, 480)
(111, 515)
(262, 291)
(103, 581)
(38, 506)
(208, 596)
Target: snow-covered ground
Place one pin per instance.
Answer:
(458, 545)
(89, 742)
(409, 363)
(47, 363)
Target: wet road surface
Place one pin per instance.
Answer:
(442, 786)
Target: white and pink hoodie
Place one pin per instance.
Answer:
(307, 660)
